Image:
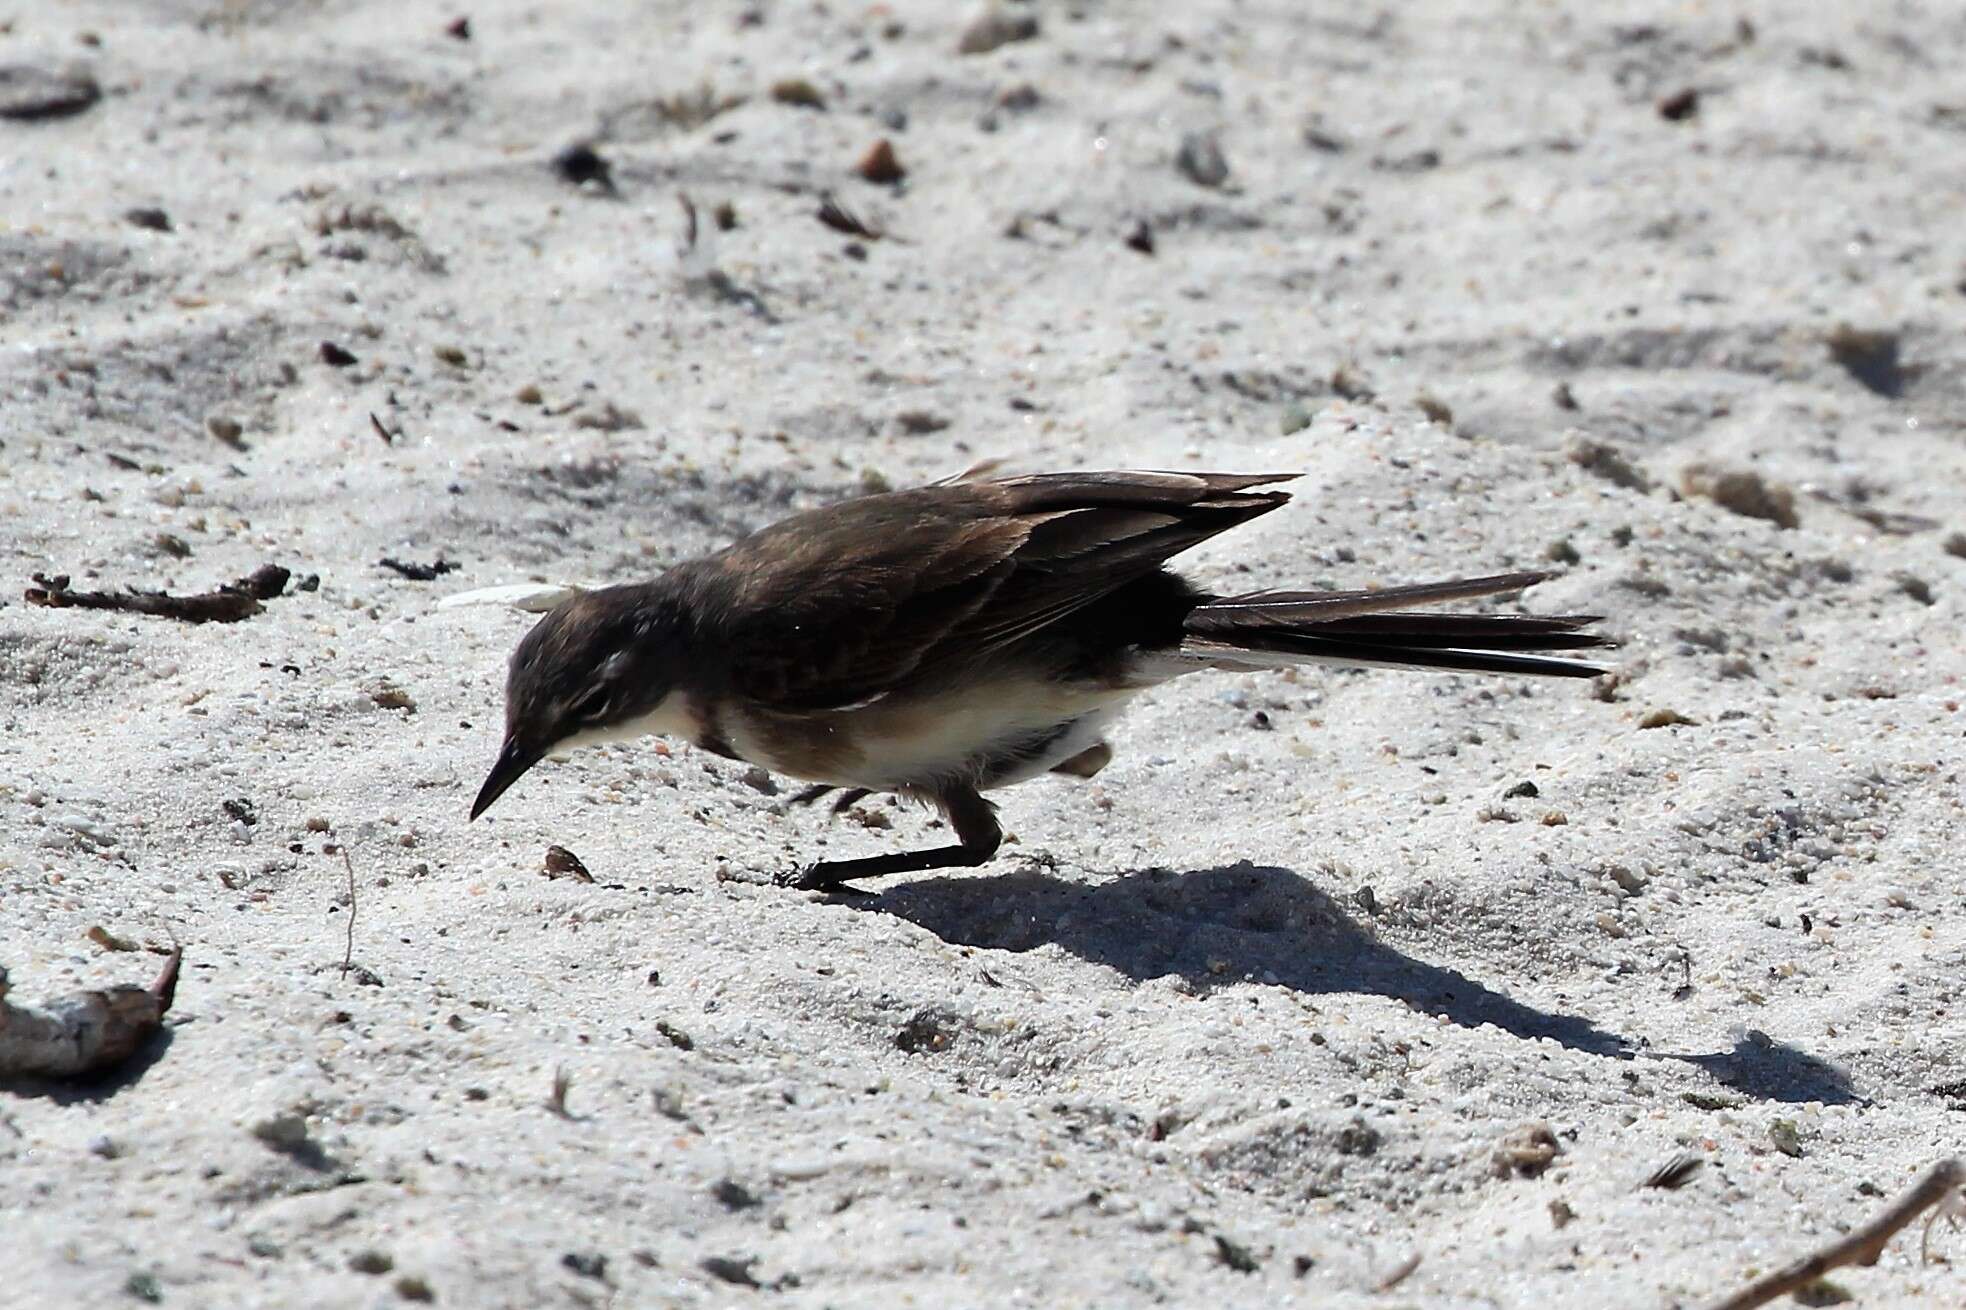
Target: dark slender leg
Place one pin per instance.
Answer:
(849, 798)
(977, 830)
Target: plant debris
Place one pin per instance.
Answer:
(1235, 1255)
(1680, 105)
(1862, 1246)
(1525, 1152)
(580, 164)
(731, 1270)
(799, 92)
(994, 28)
(109, 941)
(419, 572)
(1742, 491)
(230, 603)
(841, 219)
(1676, 1172)
(83, 1034)
(1604, 460)
(1200, 159)
(556, 1098)
(1871, 357)
(1400, 1273)
(563, 863)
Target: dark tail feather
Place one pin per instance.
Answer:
(1296, 607)
(1478, 631)
(1368, 627)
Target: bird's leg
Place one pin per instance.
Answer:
(977, 830)
(849, 798)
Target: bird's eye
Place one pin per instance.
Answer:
(593, 706)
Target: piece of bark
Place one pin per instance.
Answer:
(1860, 1247)
(229, 604)
(83, 1034)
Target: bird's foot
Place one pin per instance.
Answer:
(819, 877)
(849, 797)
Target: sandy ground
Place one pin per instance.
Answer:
(1242, 1021)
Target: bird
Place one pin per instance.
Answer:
(947, 640)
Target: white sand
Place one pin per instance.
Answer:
(1286, 989)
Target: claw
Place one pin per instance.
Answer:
(851, 797)
(813, 878)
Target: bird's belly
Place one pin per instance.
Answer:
(988, 734)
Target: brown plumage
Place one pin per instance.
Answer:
(946, 640)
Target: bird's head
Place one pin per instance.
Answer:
(597, 668)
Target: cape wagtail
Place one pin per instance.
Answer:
(948, 640)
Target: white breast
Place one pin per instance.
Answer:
(953, 734)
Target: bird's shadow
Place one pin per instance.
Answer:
(96, 1086)
(1215, 927)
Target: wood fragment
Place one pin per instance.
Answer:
(1862, 1247)
(83, 1034)
(230, 603)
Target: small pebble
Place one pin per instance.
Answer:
(1201, 160)
(994, 28)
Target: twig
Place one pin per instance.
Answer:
(230, 603)
(348, 951)
(1401, 1272)
(419, 572)
(689, 220)
(556, 1100)
(1861, 1247)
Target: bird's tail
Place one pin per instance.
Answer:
(1267, 628)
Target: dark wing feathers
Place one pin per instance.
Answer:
(838, 606)
(842, 603)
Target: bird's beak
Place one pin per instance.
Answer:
(514, 758)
